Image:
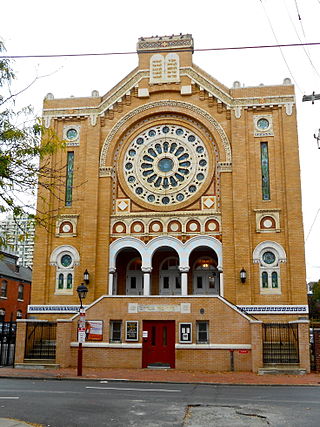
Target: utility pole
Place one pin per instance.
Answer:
(313, 97)
(317, 138)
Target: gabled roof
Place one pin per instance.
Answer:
(10, 270)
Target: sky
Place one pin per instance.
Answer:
(76, 26)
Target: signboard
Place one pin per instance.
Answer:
(243, 351)
(94, 330)
(82, 326)
(131, 330)
(185, 333)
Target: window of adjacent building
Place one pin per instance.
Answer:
(19, 314)
(202, 332)
(20, 292)
(115, 330)
(69, 178)
(4, 288)
(265, 171)
(2, 314)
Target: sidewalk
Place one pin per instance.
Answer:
(163, 375)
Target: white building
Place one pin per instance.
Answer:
(19, 233)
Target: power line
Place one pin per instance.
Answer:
(315, 218)
(276, 39)
(156, 51)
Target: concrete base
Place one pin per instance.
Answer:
(282, 370)
(37, 364)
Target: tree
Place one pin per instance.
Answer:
(25, 150)
(314, 301)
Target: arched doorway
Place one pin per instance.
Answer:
(170, 277)
(134, 277)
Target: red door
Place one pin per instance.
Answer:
(158, 343)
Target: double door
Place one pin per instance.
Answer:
(158, 348)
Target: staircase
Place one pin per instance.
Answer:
(41, 356)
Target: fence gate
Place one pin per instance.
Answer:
(7, 342)
(41, 340)
(280, 343)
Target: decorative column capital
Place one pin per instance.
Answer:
(112, 270)
(184, 269)
(146, 269)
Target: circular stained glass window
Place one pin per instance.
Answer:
(66, 260)
(165, 164)
(263, 124)
(72, 134)
(170, 165)
(268, 257)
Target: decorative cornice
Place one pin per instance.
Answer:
(196, 76)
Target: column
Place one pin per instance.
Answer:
(146, 280)
(111, 280)
(184, 280)
(221, 290)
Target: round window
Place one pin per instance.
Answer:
(263, 124)
(268, 257)
(66, 260)
(72, 133)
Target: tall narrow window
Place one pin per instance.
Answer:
(265, 171)
(202, 331)
(69, 178)
(20, 292)
(115, 330)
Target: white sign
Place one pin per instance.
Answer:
(81, 336)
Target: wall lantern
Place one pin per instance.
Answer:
(243, 275)
(86, 276)
(82, 293)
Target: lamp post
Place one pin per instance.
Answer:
(82, 293)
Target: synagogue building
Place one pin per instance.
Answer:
(181, 202)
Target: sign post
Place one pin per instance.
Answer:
(81, 338)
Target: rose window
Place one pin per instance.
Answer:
(165, 164)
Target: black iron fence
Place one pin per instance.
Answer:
(280, 343)
(41, 340)
(7, 342)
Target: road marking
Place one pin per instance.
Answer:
(9, 397)
(136, 389)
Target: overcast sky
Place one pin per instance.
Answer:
(77, 26)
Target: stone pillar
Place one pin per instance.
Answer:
(221, 290)
(256, 345)
(63, 339)
(184, 280)
(21, 335)
(146, 280)
(111, 280)
(304, 344)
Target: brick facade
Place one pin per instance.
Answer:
(171, 199)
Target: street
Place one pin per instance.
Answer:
(72, 403)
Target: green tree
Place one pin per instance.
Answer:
(25, 150)
(314, 301)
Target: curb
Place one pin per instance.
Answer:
(39, 378)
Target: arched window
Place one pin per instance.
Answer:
(4, 288)
(269, 255)
(20, 292)
(65, 258)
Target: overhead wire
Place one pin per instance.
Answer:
(302, 43)
(75, 55)
(314, 221)
(282, 54)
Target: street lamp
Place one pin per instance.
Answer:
(86, 276)
(82, 291)
(243, 275)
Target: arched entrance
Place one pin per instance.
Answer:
(170, 277)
